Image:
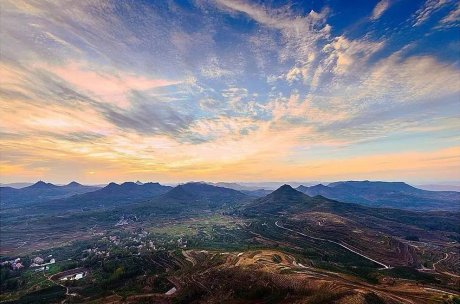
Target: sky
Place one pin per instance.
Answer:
(229, 90)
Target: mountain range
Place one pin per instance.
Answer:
(112, 195)
(190, 198)
(386, 194)
(41, 192)
(287, 202)
(209, 233)
(368, 193)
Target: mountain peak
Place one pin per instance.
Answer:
(285, 189)
(319, 186)
(286, 192)
(111, 185)
(41, 184)
(73, 184)
(179, 192)
(282, 199)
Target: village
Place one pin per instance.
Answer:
(104, 246)
(112, 257)
(38, 263)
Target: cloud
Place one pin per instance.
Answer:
(300, 34)
(453, 18)
(214, 90)
(109, 86)
(214, 69)
(416, 78)
(379, 9)
(342, 53)
(393, 88)
(296, 73)
(147, 115)
(427, 10)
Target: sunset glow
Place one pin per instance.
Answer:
(100, 91)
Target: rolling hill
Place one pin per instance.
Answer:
(386, 194)
(191, 197)
(378, 232)
(289, 202)
(203, 192)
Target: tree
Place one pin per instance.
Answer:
(118, 273)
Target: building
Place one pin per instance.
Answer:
(17, 266)
(38, 260)
(73, 277)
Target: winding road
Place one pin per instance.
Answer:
(443, 259)
(334, 242)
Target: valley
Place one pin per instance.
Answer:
(188, 242)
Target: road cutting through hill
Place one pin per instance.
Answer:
(334, 242)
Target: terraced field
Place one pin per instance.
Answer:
(281, 273)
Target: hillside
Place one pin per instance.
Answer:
(282, 200)
(288, 202)
(191, 197)
(386, 194)
(206, 192)
(378, 233)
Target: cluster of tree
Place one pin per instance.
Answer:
(10, 280)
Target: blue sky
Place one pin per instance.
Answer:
(230, 90)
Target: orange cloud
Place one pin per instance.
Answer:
(108, 86)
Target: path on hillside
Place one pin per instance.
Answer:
(443, 259)
(67, 293)
(433, 267)
(334, 242)
(444, 272)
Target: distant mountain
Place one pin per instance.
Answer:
(441, 187)
(234, 186)
(40, 192)
(213, 195)
(368, 185)
(257, 193)
(249, 190)
(286, 202)
(16, 185)
(272, 185)
(386, 194)
(112, 195)
(193, 197)
(282, 200)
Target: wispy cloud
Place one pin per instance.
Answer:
(109, 86)
(217, 90)
(427, 10)
(379, 9)
(453, 18)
